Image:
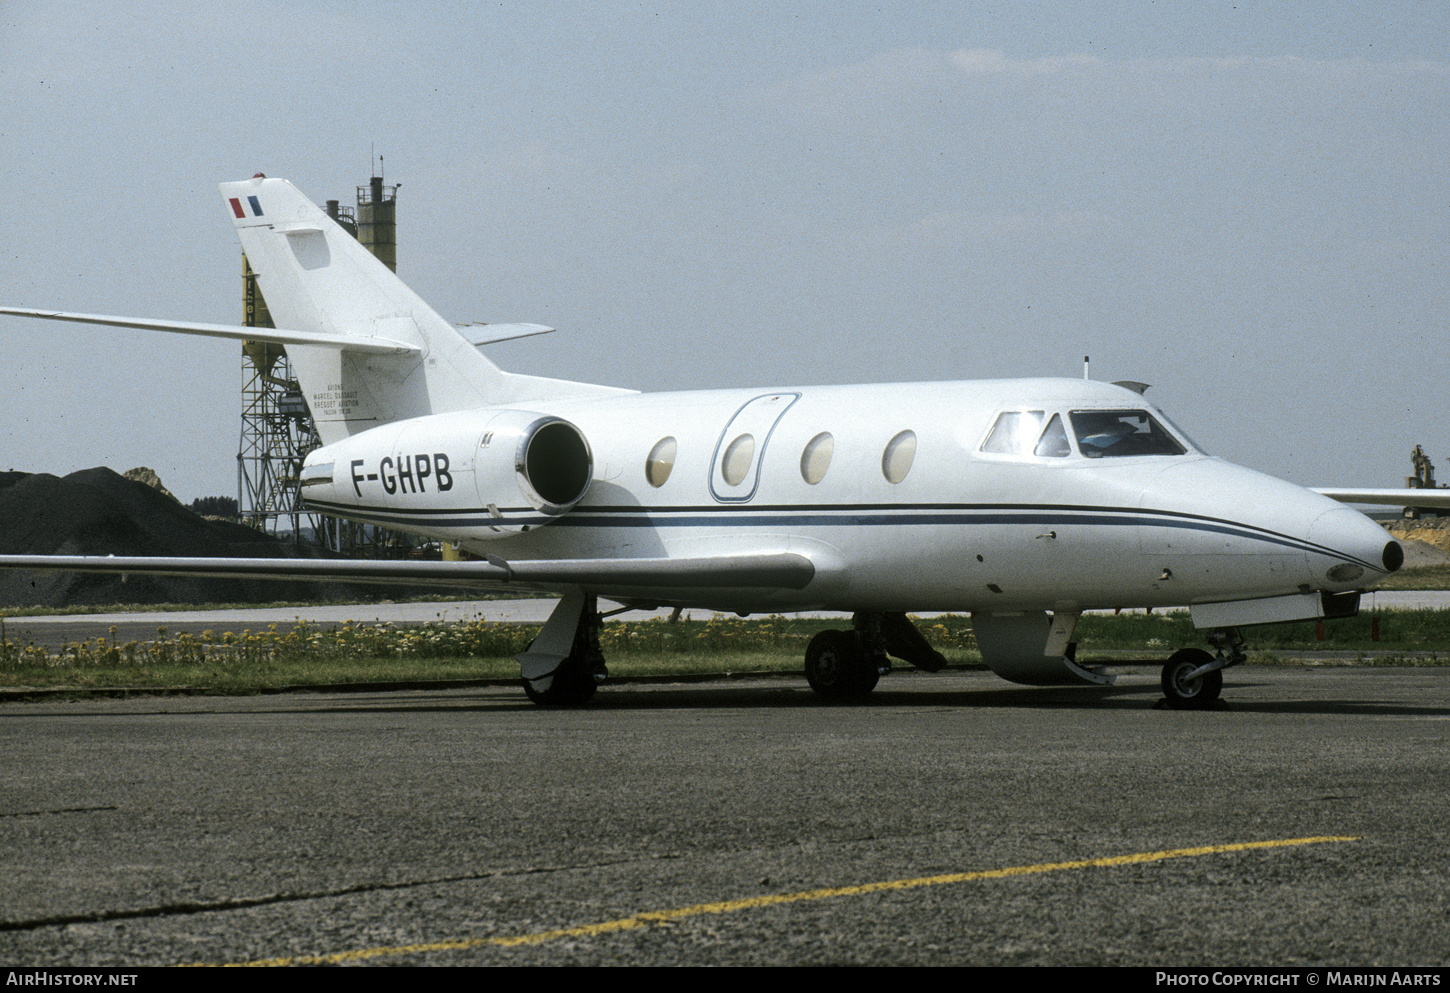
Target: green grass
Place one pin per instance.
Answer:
(278, 657)
(1425, 577)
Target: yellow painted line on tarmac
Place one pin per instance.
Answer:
(653, 917)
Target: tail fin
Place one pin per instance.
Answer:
(317, 278)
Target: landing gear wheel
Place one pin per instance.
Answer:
(837, 666)
(572, 686)
(1190, 694)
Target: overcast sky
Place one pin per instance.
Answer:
(1243, 204)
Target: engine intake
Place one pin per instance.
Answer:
(552, 462)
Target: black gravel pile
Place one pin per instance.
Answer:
(99, 512)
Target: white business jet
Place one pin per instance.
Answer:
(1024, 502)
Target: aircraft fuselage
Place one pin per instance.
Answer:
(887, 489)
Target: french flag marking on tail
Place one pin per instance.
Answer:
(251, 202)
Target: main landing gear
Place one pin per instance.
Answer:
(1192, 678)
(839, 668)
(563, 666)
(846, 665)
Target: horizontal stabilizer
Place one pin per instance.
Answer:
(1394, 498)
(367, 344)
(488, 334)
(783, 570)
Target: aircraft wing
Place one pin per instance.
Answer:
(368, 344)
(1395, 498)
(782, 570)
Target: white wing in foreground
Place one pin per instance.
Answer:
(1394, 498)
(783, 570)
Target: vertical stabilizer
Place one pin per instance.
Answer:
(317, 278)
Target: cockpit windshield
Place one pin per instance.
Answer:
(1113, 433)
(1099, 434)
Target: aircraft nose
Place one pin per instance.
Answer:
(1348, 544)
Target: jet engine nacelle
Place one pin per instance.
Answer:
(541, 458)
(472, 474)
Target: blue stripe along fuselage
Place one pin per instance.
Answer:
(828, 515)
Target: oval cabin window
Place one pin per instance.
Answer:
(900, 452)
(736, 464)
(816, 458)
(661, 461)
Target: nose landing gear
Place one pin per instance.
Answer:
(1193, 679)
(1187, 684)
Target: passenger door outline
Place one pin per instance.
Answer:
(756, 417)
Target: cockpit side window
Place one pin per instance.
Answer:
(1113, 433)
(1053, 442)
(1015, 433)
(1020, 432)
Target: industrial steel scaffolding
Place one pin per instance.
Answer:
(277, 434)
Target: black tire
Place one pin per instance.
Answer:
(837, 666)
(1196, 694)
(570, 687)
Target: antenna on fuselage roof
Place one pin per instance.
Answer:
(1086, 363)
